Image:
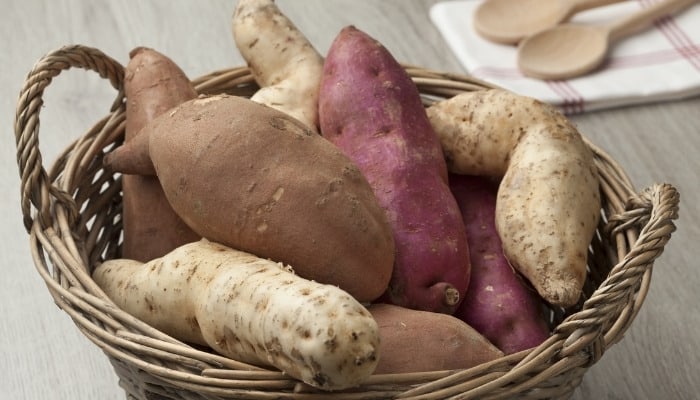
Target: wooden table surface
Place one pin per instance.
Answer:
(43, 355)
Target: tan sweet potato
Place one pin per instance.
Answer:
(283, 61)
(420, 341)
(548, 202)
(254, 178)
(153, 84)
(250, 309)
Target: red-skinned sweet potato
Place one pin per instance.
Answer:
(371, 109)
(153, 84)
(258, 180)
(421, 341)
(499, 303)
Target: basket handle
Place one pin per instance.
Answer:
(654, 210)
(36, 187)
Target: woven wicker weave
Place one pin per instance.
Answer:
(72, 215)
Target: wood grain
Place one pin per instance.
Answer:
(45, 357)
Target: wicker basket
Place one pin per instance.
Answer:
(72, 214)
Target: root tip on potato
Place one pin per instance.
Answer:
(452, 296)
(564, 296)
(136, 50)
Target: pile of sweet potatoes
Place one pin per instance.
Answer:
(332, 226)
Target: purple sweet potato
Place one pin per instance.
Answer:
(153, 84)
(499, 303)
(371, 109)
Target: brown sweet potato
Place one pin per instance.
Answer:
(153, 84)
(421, 341)
(499, 303)
(371, 109)
(255, 179)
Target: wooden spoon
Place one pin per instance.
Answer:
(509, 21)
(570, 50)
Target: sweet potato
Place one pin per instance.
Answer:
(421, 341)
(253, 178)
(548, 202)
(250, 309)
(371, 109)
(284, 63)
(153, 84)
(499, 304)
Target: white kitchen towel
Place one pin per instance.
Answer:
(660, 63)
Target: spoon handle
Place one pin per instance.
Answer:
(576, 6)
(644, 18)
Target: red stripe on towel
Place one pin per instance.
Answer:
(655, 57)
(572, 101)
(680, 40)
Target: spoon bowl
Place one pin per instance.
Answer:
(509, 21)
(570, 50)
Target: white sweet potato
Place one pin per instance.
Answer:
(284, 63)
(250, 309)
(548, 202)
